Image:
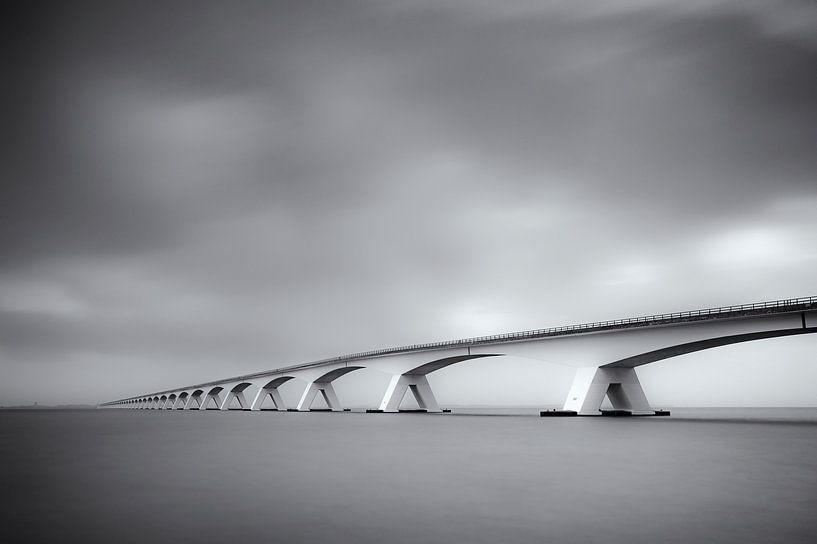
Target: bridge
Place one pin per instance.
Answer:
(605, 355)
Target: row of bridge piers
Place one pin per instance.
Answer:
(620, 345)
(590, 387)
(234, 397)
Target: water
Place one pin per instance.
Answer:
(236, 477)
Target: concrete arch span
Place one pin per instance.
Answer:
(408, 374)
(270, 389)
(196, 399)
(323, 384)
(235, 394)
(212, 398)
(700, 345)
(433, 366)
(181, 400)
(619, 382)
(415, 380)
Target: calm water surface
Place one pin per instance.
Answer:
(236, 477)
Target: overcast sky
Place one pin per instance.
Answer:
(196, 190)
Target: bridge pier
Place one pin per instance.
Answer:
(237, 393)
(194, 397)
(420, 388)
(181, 401)
(214, 394)
(328, 392)
(271, 389)
(620, 385)
(322, 382)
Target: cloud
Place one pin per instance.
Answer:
(220, 188)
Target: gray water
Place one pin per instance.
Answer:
(236, 477)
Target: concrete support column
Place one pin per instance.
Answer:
(420, 388)
(238, 395)
(328, 392)
(620, 385)
(211, 395)
(274, 394)
(193, 400)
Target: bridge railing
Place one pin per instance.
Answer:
(720, 311)
(535, 333)
(774, 306)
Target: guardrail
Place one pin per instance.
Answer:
(721, 311)
(774, 306)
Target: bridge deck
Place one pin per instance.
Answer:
(795, 305)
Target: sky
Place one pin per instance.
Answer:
(196, 190)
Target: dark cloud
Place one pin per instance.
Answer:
(240, 185)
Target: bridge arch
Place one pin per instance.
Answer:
(214, 395)
(323, 385)
(700, 345)
(433, 366)
(195, 397)
(236, 393)
(415, 380)
(333, 375)
(270, 389)
(620, 384)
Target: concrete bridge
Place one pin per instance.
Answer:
(605, 355)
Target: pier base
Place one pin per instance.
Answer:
(620, 385)
(558, 413)
(607, 413)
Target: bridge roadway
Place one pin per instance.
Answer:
(604, 353)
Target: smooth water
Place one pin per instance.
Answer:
(236, 477)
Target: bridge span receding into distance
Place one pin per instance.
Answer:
(605, 355)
